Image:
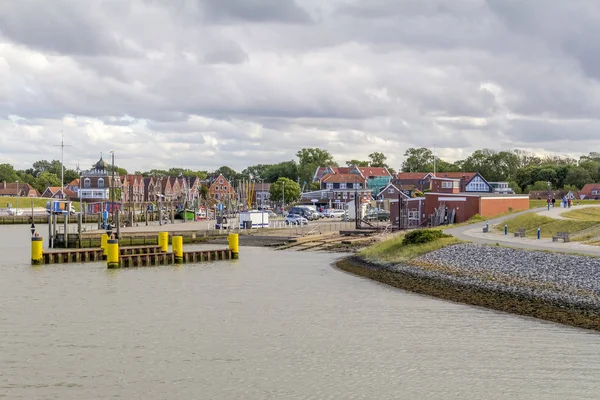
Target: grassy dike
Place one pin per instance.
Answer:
(392, 263)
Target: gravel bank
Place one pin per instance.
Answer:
(554, 277)
(556, 287)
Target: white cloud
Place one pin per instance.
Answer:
(205, 83)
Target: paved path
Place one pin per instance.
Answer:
(474, 233)
(557, 212)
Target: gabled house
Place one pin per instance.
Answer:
(590, 191)
(375, 177)
(392, 193)
(55, 192)
(73, 186)
(221, 190)
(133, 188)
(18, 189)
(416, 180)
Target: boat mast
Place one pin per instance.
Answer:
(62, 146)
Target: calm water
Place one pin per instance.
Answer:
(273, 325)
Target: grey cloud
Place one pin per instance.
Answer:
(61, 26)
(283, 11)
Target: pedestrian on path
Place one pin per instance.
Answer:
(553, 201)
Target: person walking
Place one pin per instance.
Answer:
(553, 202)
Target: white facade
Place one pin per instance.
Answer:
(477, 184)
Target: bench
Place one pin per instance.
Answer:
(520, 233)
(561, 235)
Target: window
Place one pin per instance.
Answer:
(86, 182)
(329, 186)
(342, 186)
(596, 191)
(359, 185)
(100, 183)
(391, 191)
(446, 184)
(220, 180)
(217, 196)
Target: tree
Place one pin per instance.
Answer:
(537, 186)
(578, 177)
(286, 169)
(418, 160)
(46, 179)
(515, 187)
(309, 159)
(377, 159)
(227, 172)
(8, 173)
(204, 192)
(285, 186)
(357, 163)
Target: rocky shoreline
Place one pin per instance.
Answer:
(552, 286)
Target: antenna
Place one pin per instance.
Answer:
(434, 160)
(62, 146)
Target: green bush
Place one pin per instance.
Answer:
(420, 236)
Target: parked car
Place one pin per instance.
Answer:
(375, 214)
(334, 212)
(295, 219)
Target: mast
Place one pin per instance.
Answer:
(62, 146)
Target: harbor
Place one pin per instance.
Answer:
(283, 323)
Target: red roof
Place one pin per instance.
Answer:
(587, 189)
(374, 171)
(412, 175)
(343, 178)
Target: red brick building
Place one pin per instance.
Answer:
(221, 190)
(590, 191)
(445, 192)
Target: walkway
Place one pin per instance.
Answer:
(474, 233)
(556, 212)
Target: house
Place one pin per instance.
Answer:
(56, 192)
(261, 193)
(590, 191)
(133, 188)
(96, 183)
(73, 186)
(446, 194)
(18, 189)
(398, 202)
(375, 177)
(472, 182)
(220, 190)
(338, 189)
(392, 192)
(150, 189)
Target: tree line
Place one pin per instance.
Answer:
(523, 170)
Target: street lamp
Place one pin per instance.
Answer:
(17, 200)
(283, 196)
(549, 195)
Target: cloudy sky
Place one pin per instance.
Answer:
(204, 83)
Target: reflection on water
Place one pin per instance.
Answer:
(273, 325)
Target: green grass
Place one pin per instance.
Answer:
(544, 203)
(549, 226)
(392, 250)
(25, 202)
(584, 214)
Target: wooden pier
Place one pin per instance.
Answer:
(134, 256)
(145, 260)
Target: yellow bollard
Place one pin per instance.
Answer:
(112, 253)
(234, 244)
(103, 241)
(163, 241)
(37, 244)
(177, 243)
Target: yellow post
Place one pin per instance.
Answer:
(163, 241)
(177, 243)
(234, 244)
(103, 241)
(37, 244)
(112, 253)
